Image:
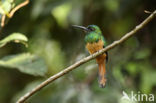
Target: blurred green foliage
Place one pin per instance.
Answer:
(53, 45)
(16, 37)
(5, 6)
(26, 63)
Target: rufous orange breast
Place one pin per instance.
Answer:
(94, 47)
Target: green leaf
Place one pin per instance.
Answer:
(5, 7)
(26, 63)
(16, 37)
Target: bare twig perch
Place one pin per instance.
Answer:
(11, 13)
(17, 8)
(84, 60)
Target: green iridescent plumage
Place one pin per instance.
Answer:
(94, 35)
(94, 42)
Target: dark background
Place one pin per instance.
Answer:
(47, 24)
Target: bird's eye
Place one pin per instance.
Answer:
(91, 29)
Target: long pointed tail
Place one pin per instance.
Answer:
(102, 73)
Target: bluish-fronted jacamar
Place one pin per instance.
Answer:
(95, 41)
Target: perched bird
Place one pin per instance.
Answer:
(95, 41)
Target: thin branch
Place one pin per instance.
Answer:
(86, 59)
(148, 12)
(3, 21)
(17, 8)
(11, 13)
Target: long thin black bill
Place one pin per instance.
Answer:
(81, 27)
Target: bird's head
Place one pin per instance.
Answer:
(89, 28)
(93, 33)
